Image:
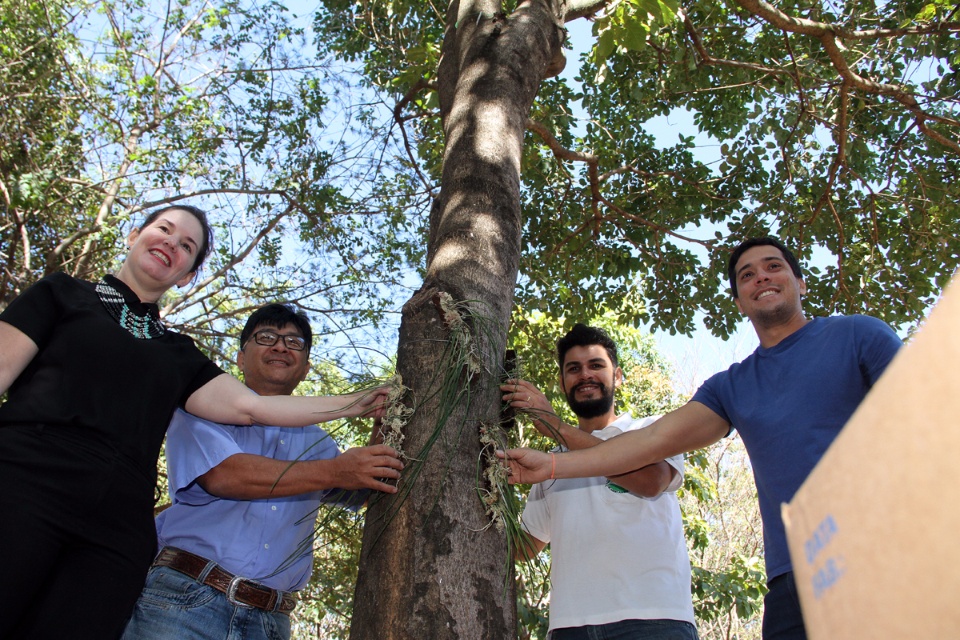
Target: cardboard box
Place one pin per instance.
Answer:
(874, 532)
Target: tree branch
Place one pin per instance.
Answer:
(225, 268)
(420, 85)
(708, 59)
(585, 8)
(829, 36)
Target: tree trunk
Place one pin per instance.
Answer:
(433, 565)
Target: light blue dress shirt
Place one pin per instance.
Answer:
(269, 540)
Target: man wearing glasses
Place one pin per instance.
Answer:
(236, 544)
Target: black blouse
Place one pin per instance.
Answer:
(92, 375)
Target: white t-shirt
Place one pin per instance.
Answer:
(615, 556)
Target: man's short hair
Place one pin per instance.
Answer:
(583, 336)
(277, 315)
(759, 242)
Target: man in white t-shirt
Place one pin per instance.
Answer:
(619, 563)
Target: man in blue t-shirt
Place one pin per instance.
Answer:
(237, 542)
(788, 401)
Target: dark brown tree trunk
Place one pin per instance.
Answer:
(433, 566)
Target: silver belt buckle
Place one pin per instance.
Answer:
(232, 594)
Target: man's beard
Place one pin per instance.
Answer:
(591, 408)
(775, 316)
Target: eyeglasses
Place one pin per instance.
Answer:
(267, 338)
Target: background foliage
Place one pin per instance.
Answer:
(118, 107)
(831, 124)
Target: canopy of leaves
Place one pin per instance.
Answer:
(112, 108)
(40, 143)
(833, 125)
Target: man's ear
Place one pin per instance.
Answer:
(617, 377)
(306, 370)
(736, 301)
(240, 356)
(803, 287)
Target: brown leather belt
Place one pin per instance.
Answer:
(240, 592)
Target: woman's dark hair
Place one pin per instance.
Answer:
(201, 216)
(276, 315)
(759, 242)
(583, 336)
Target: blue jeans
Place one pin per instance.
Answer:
(176, 607)
(630, 630)
(782, 619)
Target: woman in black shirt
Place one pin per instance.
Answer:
(93, 380)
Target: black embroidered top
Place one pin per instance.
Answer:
(92, 375)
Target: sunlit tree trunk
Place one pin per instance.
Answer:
(432, 564)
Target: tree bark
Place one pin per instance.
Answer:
(433, 565)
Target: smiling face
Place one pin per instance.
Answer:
(162, 254)
(768, 292)
(589, 379)
(275, 370)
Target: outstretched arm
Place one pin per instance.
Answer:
(690, 427)
(245, 476)
(228, 401)
(524, 396)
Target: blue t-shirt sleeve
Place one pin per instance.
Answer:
(194, 447)
(708, 395)
(877, 345)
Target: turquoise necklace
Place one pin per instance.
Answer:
(141, 326)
